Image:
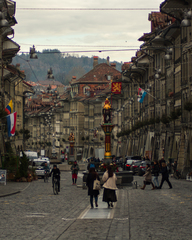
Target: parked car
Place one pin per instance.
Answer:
(127, 165)
(129, 160)
(39, 164)
(135, 166)
(142, 167)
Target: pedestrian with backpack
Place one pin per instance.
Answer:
(91, 164)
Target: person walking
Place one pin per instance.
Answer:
(148, 177)
(56, 174)
(165, 175)
(75, 169)
(93, 175)
(91, 164)
(155, 171)
(109, 178)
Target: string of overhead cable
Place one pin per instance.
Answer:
(89, 9)
(29, 66)
(60, 45)
(148, 68)
(83, 51)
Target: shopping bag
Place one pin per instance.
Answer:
(96, 185)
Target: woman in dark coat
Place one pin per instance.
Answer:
(92, 193)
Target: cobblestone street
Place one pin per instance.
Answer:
(36, 213)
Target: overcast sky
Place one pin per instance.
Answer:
(91, 30)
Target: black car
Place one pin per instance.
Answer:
(128, 164)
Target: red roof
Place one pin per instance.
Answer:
(99, 74)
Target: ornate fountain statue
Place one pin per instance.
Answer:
(71, 150)
(107, 128)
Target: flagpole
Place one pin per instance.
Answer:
(151, 95)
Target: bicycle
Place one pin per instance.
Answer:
(46, 176)
(55, 186)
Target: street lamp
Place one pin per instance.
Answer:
(157, 74)
(186, 21)
(3, 21)
(168, 54)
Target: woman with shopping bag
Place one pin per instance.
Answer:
(93, 186)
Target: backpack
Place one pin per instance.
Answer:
(92, 165)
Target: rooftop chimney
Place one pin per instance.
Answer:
(18, 66)
(113, 65)
(73, 78)
(108, 60)
(95, 61)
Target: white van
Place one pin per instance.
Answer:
(31, 155)
(39, 164)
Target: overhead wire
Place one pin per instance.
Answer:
(30, 67)
(88, 9)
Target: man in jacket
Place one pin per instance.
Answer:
(165, 175)
(56, 174)
(75, 169)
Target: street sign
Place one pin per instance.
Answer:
(3, 174)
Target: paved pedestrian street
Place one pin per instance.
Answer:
(37, 214)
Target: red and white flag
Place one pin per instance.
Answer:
(11, 123)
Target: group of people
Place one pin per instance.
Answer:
(158, 167)
(109, 178)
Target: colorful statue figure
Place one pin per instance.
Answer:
(107, 111)
(71, 137)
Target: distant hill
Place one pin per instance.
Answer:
(64, 66)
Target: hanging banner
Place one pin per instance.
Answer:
(116, 87)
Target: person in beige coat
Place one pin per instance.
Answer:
(109, 178)
(148, 177)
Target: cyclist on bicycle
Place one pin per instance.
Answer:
(56, 174)
(46, 168)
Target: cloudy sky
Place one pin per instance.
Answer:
(83, 30)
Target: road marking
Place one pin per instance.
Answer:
(121, 219)
(40, 215)
(69, 219)
(102, 212)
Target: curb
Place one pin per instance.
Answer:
(16, 192)
(9, 194)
